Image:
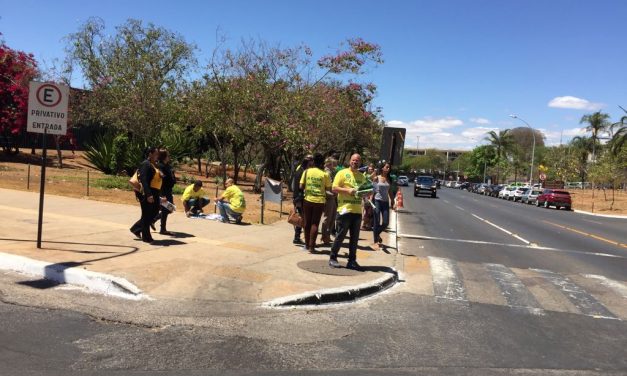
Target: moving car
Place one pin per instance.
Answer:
(425, 184)
(553, 197)
(402, 181)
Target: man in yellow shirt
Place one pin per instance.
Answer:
(231, 203)
(346, 184)
(194, 199)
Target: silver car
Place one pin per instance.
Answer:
(530, 197)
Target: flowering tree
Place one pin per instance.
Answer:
(17, 68)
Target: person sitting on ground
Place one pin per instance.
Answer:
(194, 199)
(231, 203)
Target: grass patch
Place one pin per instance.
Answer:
(112, 182)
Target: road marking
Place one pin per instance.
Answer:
(530, 246)
(502, 229)
(446, 201)
(447, 281)
(460, 208)
(584, 302)
(613, 242)
(620, 288)
(515, 292)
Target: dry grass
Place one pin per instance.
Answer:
(599, 201)
(71, 181)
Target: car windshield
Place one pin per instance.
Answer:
(425, 180)
(561, 193)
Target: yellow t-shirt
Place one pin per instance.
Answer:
(236, 199)
(316, 185)
(156, 179)
(347, 179)
(189, 193)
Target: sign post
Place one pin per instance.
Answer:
(47, 114)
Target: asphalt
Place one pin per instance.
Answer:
(88, 243)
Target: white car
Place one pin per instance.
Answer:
(516, 194)
(402, 181)
(505, 192)
(530, 196)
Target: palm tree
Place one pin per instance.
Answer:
(620, 137)
(597, 122)
(501, 143)
(582, 146)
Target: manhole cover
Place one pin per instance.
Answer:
(322, 267)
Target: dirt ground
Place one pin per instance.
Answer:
(601, 203)
(71, 181)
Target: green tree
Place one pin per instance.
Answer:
(581, 147)
(131, 76)
(596, 123)
(502, 143)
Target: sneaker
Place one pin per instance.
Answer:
(165, 232)
(353, 265)
(238, 220)
(334, 264)
(297, 241)
(152, 226)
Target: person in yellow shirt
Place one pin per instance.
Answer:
(150, 196)
(314, 182)
(194, 199)
(231, 203)
(346, 184)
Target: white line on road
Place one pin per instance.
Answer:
(460, 208)
(447, 281)
(502, 229)
(534, 247)
(614, 285)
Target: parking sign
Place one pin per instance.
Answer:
(47, 108)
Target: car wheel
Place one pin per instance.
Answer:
(415, 194)
(433, 195)
(557, 207)
(567, 208)
(538, 203)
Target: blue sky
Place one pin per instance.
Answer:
(453, 69)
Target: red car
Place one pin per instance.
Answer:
(553, 197)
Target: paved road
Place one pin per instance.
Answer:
(493, 251)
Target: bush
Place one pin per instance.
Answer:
(119, 151)
(99, 152)
(112, 182)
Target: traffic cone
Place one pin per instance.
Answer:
(399, 200)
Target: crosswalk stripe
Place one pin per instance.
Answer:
(447, 281)
(515, 292)
(618, 287)
(584, 302)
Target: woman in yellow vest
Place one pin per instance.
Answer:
(314, 182)
(149, 198)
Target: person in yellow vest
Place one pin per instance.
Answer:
(314, 182)
(346, 184)
(231, 203)
(194, 198)
(149, 198)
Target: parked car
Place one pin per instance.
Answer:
(530, 196)
(402, 181)
(517, 193)
(504, 193)
(552, 197)
(425, 184)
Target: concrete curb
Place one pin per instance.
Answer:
(62, 273)
(601, 215)
(336, 295)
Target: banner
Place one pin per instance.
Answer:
(272, 191)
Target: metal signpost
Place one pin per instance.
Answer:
(47, 114)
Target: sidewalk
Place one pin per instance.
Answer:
(205, 260)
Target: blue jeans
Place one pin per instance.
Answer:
(226, 211)
(347, 222)
(196, 205)
(381, 218)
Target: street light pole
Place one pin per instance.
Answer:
(533, 149)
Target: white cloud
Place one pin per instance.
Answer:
(427, 125)
(552, 138)
(574, 103)
(480, 121)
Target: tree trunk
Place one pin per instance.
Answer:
(199, 165)
(58, 147)
(235, 164)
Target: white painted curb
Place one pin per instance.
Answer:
(601, 215)
(95, 282)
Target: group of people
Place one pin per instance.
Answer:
(320, 187)
(156, 181)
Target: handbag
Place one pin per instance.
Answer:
(294, 218)
(135, 183)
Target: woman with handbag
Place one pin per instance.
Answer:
(381, 189)
(315, 183)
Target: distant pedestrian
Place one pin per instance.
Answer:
(194, 199)
(382, 198)
(314, 182)
(149, 197)
(330, 206)
(349, 209)
(232, 203)
(298, 194)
